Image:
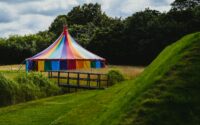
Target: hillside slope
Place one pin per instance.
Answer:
(166, 93)
(171, 87)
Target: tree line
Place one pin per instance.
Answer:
(135, 40)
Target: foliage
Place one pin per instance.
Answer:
(25, 88)
(57, 26)
(85, 14)
(115, 77)
(16, 48)
(43, 83)
(184, 4)
(8, 91)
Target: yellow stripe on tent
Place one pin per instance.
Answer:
(86, 64)
(79, 64)
(40, 65)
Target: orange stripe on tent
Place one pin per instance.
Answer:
(79, 64)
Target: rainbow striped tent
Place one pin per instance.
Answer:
(64, 54)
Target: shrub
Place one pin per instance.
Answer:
(115, 77)
(8, 91)
(43, 84)
(26, 87)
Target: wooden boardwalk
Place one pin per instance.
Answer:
(80, 80)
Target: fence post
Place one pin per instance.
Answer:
(107, 80)
(48, 74)
(58, 77)
(78, 78)
(67, 77)
(99, 80)
(88, 79)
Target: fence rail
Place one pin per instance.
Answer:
(75, 79)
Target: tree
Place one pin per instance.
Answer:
(57, 25)
(85, 14)
(108, 42)
(179, 5)
(142, 32)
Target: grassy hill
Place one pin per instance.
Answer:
(167, 93)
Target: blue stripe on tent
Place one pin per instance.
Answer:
(29, 65)
(98, 64)
(55, 65)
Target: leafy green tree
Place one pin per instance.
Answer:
(57, 25)
(180, 5)
(85, 14)
(82, 33)
(108, 41)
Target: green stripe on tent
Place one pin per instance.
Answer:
(47, 66)
(93, 64)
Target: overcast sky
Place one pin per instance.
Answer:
(30, 16)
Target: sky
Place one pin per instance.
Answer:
(30, 16)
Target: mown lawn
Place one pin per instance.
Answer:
(80, 106)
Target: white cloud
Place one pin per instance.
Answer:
(161, 6)
(130, 6)
(47, 7)
(17, 1)
(7, 14)
(30, 16)
(25, 25)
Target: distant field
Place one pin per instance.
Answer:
(129, 72)
(12, 67)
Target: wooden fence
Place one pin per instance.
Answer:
(80, 80)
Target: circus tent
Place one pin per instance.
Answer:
(64, 54)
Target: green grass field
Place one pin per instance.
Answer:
(166, 93)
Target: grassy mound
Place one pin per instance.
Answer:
(168, 91)
(165, 94)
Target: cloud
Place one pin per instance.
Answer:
(119, 8)
(131, 6)
(48, 7)
(17, 1)
(6, 14)
(30, 16)
(25, 25)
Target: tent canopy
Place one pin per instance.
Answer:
(64, 53)
(65, 48)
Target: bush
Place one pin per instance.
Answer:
(115, 77)
(44, 87)
(8, 91)
(26, 87)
